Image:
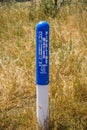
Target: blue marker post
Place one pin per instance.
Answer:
(42, 73)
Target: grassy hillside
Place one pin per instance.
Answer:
(68, 65)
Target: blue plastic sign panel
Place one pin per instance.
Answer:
(42, 53)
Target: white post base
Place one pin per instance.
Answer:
(42, 105)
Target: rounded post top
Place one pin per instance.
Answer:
(42, 24)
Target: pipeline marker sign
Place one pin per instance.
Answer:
(42, 71)
(42, 53)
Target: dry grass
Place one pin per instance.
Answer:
(68, 67)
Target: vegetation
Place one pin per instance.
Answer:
(68, 65)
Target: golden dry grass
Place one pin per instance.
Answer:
(68, 67)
